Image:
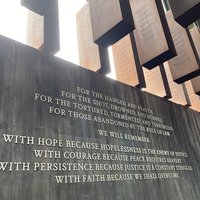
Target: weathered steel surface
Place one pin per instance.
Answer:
(152, 35)
(111, 20)
(194, 98)
(177, 90)
(156, 82)
(35, 30)
(37, 6)
(69, 133)
(52, 29)
(185, 65)
(91, 56)
(43, 31)
(185, 12)
(196, 85)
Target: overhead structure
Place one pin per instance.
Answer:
(185, 12)
(111, 20)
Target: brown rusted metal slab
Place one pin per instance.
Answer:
(185, 12)
(185, 65)
(156, 82)
(152, 35)
(38, 6)
(195, 34)
(177, 90)
(196, 85)
(194, 99)
(126, 62)
(43, 31)
(91, 56)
